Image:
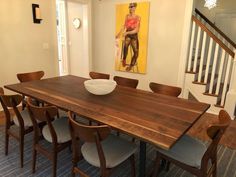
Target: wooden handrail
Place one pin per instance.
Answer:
(215, 27)
(215, 38)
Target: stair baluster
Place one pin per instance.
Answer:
(222, 59)
(208, 60)
(197, 49)
(202, 56)
(226, 81)
(214, 69)
(191, 47)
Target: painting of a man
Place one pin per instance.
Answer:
(129, 45)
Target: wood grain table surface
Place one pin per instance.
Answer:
(157, 119)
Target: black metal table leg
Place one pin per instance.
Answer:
(142, 159)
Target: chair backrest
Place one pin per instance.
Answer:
(42, 114)
(92, 134)
(88, 133)
(11, 102)
(1, 91)
(215, 133)
(25, 77)
(165, 89)
(96, 75)
(127, 82)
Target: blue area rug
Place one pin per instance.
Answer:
(9, 165)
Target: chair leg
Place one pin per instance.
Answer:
(167, 167)
(6, 143)
(21, 151)
(34, 160)
(214, 161)
(132, 163)
(156, 165)
(72, 172)
(105, 173)
(54, 164)
(74, 164)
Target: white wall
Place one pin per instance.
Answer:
(166, 25)
(223, 15)
(23, 43)
(227, 23)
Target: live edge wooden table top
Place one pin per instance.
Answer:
(157, 119)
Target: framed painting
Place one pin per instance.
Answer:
(131, 38)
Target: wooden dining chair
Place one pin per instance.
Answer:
(127, 82)
(96, 75)
(18, 124)
(100, 149)
(26, 77)
(56, 132)
(1, 91)
(165, 89)
(192, 155)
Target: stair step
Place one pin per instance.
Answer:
(214, 90)
(191, 70)
(197, 69)
(209, 94)
(202, 80)
(200, 83)
(218, 105)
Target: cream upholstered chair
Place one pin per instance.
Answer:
(100, 149)
(17, 124)
(56, 131)
(194, 156)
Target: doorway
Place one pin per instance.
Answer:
(73, 37)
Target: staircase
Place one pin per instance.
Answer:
(211, 63)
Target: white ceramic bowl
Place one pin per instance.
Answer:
(100, 86)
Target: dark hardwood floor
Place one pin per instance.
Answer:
(199, 130)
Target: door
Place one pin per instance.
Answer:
(73, 39)
(77, 12)
(62, 38)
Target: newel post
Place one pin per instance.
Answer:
(230, 103)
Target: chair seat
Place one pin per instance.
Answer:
(116, 151)
(187, 150)
(62, 113)
(26, 118)
(61, 128)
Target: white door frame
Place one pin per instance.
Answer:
(185, 44)
(62, 47)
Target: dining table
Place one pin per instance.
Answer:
(152, 118)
